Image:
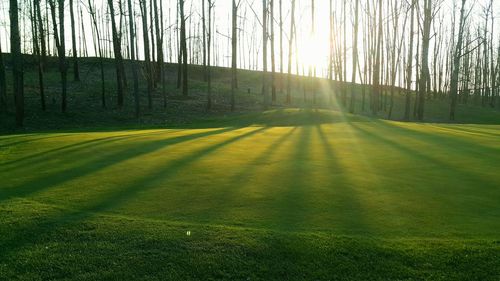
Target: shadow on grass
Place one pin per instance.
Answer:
(454, 144)
(119, 196)
(76, 149)
(454, 172)
(469, 131)
(347, 195)
(89, 167)
(3, 145)
(236, 182)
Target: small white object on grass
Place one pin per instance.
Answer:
(188, 233)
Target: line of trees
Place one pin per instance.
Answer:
(415, 48)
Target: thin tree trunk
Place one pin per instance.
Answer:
(100, 51)
(290, 46)
(456, 63)
(3, 84)
(354, 55)
(376, 71)
(234, 50)
(76, 72)
(60, 45)
(184, 49)
(17, 63)
(264, 53)
(409, 68)
(204, 37)
(147, 58)
(36, 29)
(117, 49)
(273, 58)
(281, 45)
(132, 58)
(209, 55)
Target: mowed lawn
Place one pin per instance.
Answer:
(293, 195)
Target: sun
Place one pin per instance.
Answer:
(313, 51)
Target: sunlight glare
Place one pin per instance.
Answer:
(312, 51)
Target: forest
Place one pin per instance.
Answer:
(384, 58)
(249, 139)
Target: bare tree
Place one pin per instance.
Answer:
(39, 36)
(3, 83)
(234, 51)
(457, 54)
(17, 62)
(424, 67)
(184, 49)
(396, 48)
(159, 48)
(377, 65)
(290, 52)
(209, 55)
(204, 37)
(117, 48)
(354, 54)
(147, 56)
(133, 58)
(99, 50)
(273, 57)
(60, 45)
(264, 53)
(409, 66)
(76, 72)
(281, 44)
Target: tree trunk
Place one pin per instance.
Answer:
(204, 37)
(100, 52)
(354, 56)
(290, 46)
(456, 63)
(376, 70)
(17, 62)
(234, 50)
(60, 45)
(159, 42)
(424, 70)
(76, 72)
(409, 68)
(281, 45)
(117, 49)
(38, 52)
(184, 50)
(3, 84)
(273, 58)
(209, 55)
(132, 57)
(264, 53)
(147, 57)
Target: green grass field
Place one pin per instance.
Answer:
(296, 194)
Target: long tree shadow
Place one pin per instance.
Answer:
(2, 145)
(351, 215)
(461, 173)
(456, 145)
(463, 129)
(107, 202)
(449, 142)
(89, 167)
(76, 150)
(291, 193)
(237, 181)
